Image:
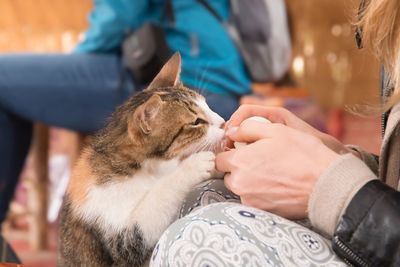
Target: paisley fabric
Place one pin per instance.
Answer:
(214, 229)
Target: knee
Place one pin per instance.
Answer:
(211, 191)
(14, 127)
(229, 234)
(207, 235)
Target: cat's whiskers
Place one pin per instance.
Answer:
(109, 209)
(205, 145)
(198, 147)
(201, 81)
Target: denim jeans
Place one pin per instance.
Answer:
(77, 92)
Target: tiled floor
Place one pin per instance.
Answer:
(19, 241)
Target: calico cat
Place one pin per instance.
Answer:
(129, 183)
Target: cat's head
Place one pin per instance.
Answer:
(168, 120)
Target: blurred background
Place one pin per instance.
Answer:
(327, 77)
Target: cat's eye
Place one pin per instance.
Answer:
(199, 121)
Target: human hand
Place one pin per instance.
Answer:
(278, 170)
(255, 118)
(283, 116)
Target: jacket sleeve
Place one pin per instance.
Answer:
(334, 190)
(109, 22)
(371, 160)
(368, 232)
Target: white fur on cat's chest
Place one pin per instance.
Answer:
(111, 205)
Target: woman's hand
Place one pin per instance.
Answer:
(278, 170)
(283, 116)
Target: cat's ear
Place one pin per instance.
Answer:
(169, 74)
(145, 113)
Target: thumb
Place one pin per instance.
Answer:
(248, 132)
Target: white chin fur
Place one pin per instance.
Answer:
(212, 141)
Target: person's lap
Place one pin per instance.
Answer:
(77, 91)
(216, 230)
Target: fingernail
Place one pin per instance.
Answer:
(231, 131)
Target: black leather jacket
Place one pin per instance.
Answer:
(368, 233)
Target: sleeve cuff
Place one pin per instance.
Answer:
(334, 190)
(368, 158)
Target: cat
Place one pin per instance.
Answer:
(130, 181)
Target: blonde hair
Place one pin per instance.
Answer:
(380, 21)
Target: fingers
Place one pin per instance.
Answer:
(233, 183)
(274, 114)
(227, 181)
(252, 131)
(223, 161)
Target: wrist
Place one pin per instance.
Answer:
(325, 157)
(334, 189)
(337, 146)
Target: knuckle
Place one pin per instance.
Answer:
(244, 107)
(283, 111)
(284, 114)
(248, 126)
(247, 201)
(277, 127)
(242, 129)
(241, 110)
(245, 124)
(234, 184)
(235, 160)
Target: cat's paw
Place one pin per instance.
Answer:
(200, 166)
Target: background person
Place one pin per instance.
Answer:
(79, 91)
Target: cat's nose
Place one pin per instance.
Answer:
(222, 125)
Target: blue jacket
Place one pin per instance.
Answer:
(211, 61)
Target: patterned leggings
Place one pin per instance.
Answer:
(215, 230)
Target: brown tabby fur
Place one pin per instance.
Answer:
(155, 123)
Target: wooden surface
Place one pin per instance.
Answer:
(269, 90)
(42, 25)
(38, 202)
(334, 71)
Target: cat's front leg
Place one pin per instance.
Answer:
(158, 209)
(160, 206)
(197, 168)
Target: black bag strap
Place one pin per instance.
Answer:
(211, 10)
(168, 12)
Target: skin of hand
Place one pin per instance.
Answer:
(283, 116)
(279, 167)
